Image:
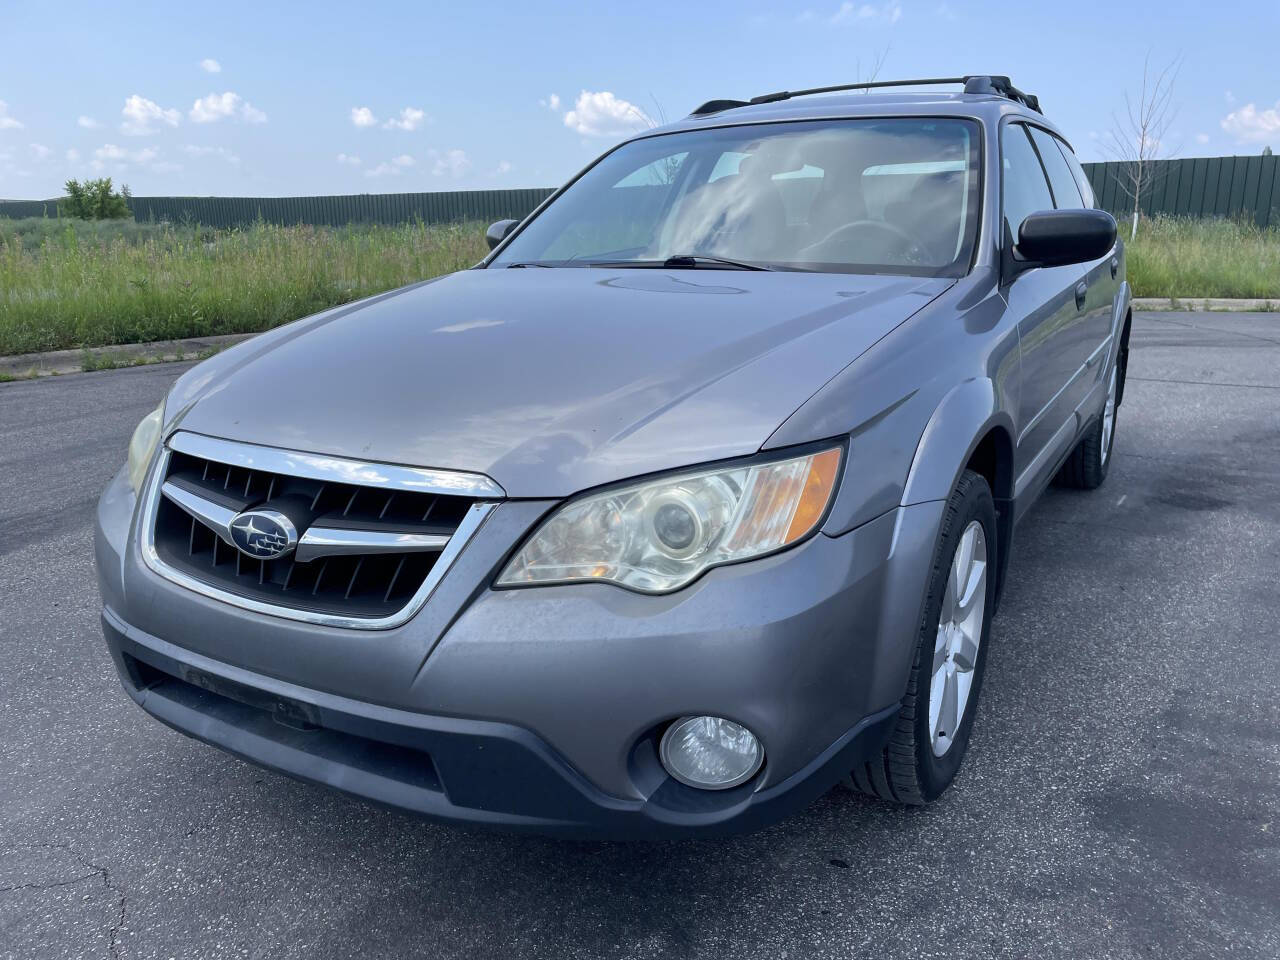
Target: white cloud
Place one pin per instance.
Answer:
(191, 150)
(410, 119)
(73, 155)
(551, 101)
(1202, 138)
(1229, 97)
(1249, 124)
(217, 106)
(214, 107)
(348, 161)
(140, 115)
(363, 117)
(39, 151)
(454, 163)
(7, 122)
(87, 122)
(392, 167)
(604, 115)
(165, 166)
(504, 166)
(210, 65)
(109, 153)
(890, 12)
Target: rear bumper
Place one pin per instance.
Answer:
(476, 772)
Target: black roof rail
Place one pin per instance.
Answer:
(979, 84)
(1003, 87)
(715, 106)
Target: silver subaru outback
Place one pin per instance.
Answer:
(613, 534)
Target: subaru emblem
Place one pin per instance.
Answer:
(263, 534)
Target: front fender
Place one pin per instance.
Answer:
(968, 417)
(959, 423)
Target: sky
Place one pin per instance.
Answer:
(273, 99)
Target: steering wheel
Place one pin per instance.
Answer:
(913, 249)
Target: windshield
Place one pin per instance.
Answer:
(851, 196)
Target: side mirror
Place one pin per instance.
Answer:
(497, 232)
(1054, 238)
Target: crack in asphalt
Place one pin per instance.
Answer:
(1207, 383)
(47, 886)
(95, 870)
(1196, 326)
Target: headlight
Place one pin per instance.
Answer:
(658, 536)
(142, 447)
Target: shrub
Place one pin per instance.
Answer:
(95, 200)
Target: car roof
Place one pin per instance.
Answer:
(988, 108)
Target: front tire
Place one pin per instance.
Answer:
(931, 736)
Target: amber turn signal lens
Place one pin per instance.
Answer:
(823, 468)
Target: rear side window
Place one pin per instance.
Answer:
(1077, 171)
(1025, 190)
(1066, 195)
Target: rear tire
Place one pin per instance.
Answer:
(1089, 462)
(931, 736)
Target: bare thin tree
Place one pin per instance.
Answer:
(1139, 138)
(873, 69)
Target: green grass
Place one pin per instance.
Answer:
(1174, 257)
(70, 284)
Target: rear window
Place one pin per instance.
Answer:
(1025, 189)
(1066, 194)
(1077, 171)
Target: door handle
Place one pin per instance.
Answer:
(1115, 267)
(1082, 290)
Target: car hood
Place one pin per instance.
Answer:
(550, 381)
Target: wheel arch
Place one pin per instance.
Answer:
(1122, 355)
(969, 430)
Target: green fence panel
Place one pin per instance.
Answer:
(1194, 187)
(221, 212)
(1236, 187)
(1267, 192)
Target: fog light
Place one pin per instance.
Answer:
(710, 752)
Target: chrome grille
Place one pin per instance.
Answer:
(368, 552)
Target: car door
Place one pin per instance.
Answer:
(1101, 276)
(1049, 302)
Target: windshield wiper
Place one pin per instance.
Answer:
(529, 263)
(694, 259)
(681, 260)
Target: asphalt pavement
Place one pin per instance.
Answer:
(1121, 798)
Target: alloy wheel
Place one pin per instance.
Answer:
(955, 651)
(1108, 418)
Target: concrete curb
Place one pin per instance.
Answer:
(54, 362)
(1221, 304)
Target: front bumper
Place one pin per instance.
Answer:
(541, 708)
